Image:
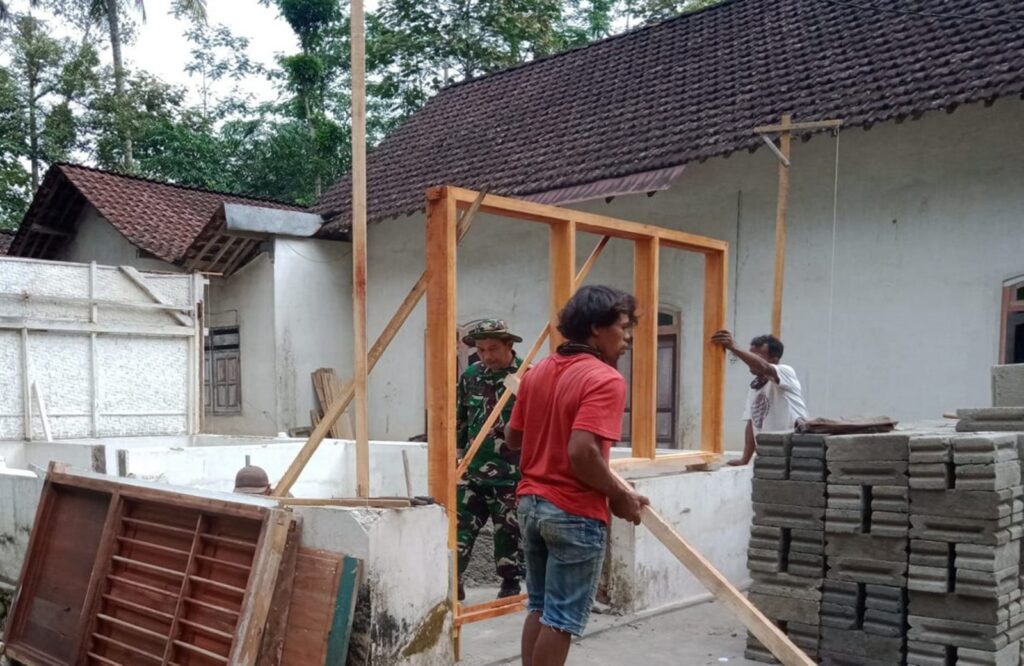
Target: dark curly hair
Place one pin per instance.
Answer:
(594, 306)
(775, 346)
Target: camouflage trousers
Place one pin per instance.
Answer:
(476, 504)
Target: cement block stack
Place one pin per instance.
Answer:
(991, 419)
(867, 526)
(787, 547)
(964, 585)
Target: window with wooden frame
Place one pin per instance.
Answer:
(222, 380)
(1011, 322)
(666, 425)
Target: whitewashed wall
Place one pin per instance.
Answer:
(103, 367)
(929, 220)
(97, 240)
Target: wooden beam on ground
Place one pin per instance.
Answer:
(644, 395)
(334, 412)
(506, 395)
(359, 365)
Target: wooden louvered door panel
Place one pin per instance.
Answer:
(174, 587)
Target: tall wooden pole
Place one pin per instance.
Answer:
(359, 365)
(782, 207)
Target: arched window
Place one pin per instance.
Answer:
(1011, 329)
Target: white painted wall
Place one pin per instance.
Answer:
(929, 221)
(19, 497)
(97, 240)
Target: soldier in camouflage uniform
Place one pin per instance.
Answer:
(488, 489)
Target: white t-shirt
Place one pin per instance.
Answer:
(776, 407)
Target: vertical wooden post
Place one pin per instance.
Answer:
(716, 270)
(562, 272)
(782, 207)
(359, 366)
(644, 405)
(441, 367)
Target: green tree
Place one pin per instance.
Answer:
(217, 54)
(15, 180)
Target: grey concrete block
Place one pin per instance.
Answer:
(930, 476)
(988, 477)
(842, 593)
(930, 449)
(861, 644)
(921, 578)
(930, 553)
(983, 450)
(953, 606)
(992, 413)
(773, 444)
(840, 617)
(871, 447)
(806, 636)
(988, 558)
(881, 623)
(807, 446)
(868, 473)
(885, 598)
(1008, 385)
(989, 426)
(807, 469)
(963, 530)
(800, 493)
(810, 565)
(867, 571)
(786, 609)
(889, 524)
(839, 659)
(846, 497)
(920, 653)
(786, 515)
(769, 561)
(786, 584)
(1008, 656)
(987, 504)
(867, 546)
(843, 521)
(987, 584)
(771, 467)
(958, 633)
(890, 498)
(807, 541)
(766, 537)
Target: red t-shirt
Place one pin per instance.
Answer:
(558, 395)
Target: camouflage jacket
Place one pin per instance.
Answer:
(479, 390)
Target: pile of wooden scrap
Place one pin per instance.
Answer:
(126, 572)
(328, 391)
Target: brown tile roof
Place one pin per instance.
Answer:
(692, 88)
(160, 218)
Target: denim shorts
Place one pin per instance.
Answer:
(563, 554)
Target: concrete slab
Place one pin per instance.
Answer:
(882, 649)
(867, 571)
(964, 530)
(922, 578)
(771, 467)
(930, 449)
(890, 498)
(930, 553)
(986, 504)
(889, 524)
(885, 598)
(985, 449)
(872, 447)
(807, 446)
(992, 414)
(958, 633)
(774, 445)
(1008, 385)
(786, 609)
(987, 584)
(844, 521)
(987, 558)
(989, 426)
(785, 515)
(1008, 656)
(868, 473)
(807, 541)
(846, 497)
(867, 546)
(931, 476)
(786, 585)
(993, 610)
(799, 493)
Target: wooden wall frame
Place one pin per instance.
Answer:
(443, 204)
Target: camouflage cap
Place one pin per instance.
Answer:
(495, 329)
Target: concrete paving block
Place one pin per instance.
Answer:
(773, 444)
(870, 447)
(867, 571)
(970, 425)
(885, 598)
(807, 541)
(992, 413)
(920, 653)
(958, 633)
(890, 498)
(930, 476)
(769, 561)
(965, 503)
(786, 609)
(962, 530)
(840, 659)
(954, 606)
(889, 524)
(766, 537)
(930, 449)
(771, 467)
(810, 565)
(928, 579)
(786, 515)
(807, 446)
(807, 469)
(786, 585)
(861, 644)
(840, 617)
(843, 593)
(881, 623)
(987, 558)
(799, 493)
(868, 473)
(930, 553)
(984, 449)
(846, 497)
(866, 546)
(988, 477)
(1008, 385)
(986, 584)
(842, 521)
(806, 636)
(1008, 656)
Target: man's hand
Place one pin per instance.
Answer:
(724, 339)
(628, 505)
(738, 462)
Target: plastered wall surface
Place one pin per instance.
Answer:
(97, 240)
(19, 497)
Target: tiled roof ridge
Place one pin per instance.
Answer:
(179, 186)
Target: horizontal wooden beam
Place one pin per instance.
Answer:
(48, 231)
(664, 463)
(587, 222)
(356, 502)
(793, 127)
(490, 609)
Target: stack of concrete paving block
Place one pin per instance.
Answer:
(867, 526)
(787, 546)
(990, 419)
(1008, 385)
(965, 550)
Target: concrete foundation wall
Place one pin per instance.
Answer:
(19, 497)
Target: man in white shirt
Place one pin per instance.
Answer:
(775, 401)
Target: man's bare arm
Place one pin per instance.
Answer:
(757, 365)
(748, 446)
(590, 467)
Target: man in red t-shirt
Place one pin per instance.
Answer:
(568, 414)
